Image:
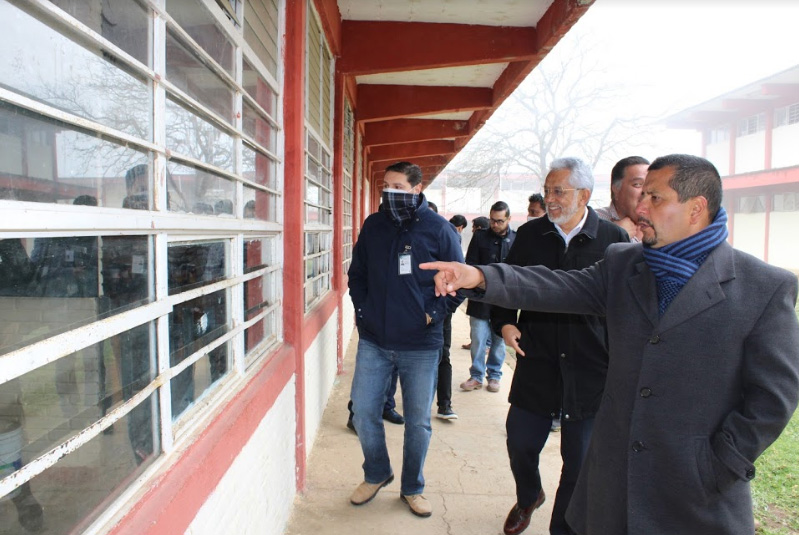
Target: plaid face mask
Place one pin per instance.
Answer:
(401, 205)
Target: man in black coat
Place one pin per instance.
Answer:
(487, 247)
(562, 358)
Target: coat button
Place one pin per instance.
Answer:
(638, 446)
(563, 355)
(750, 473)
(565, 416)
(646, 392)
(654, 340)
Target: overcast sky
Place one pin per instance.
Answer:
(674, 54)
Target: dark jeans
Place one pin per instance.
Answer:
(390, 393)
(527, 434)
(444, 388)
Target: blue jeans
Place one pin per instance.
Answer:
(417, 372)
(482, 335)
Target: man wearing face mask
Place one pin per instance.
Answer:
(400, 322)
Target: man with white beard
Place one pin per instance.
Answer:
(562, 358)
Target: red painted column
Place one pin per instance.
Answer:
(338, 211)
(769, 207)
(293, 196)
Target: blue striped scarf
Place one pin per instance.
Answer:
(675, 263)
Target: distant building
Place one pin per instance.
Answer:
(751, 134)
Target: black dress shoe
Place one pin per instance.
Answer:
(351, 426)
(393, 416)
(519, 518)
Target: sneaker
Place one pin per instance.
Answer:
(471, 384)
(418, 504)
(366, 491)
(493, 385)
(446, 414)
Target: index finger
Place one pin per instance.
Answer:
(437, 265)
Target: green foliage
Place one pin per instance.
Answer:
(775, 490)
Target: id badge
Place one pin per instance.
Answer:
(405, 264)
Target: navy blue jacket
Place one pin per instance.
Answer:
(390, 308)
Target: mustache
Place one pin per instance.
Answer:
(645, 221)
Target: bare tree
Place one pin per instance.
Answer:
(566, 107)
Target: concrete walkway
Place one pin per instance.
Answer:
(468, 478)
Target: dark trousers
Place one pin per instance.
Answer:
(527, 434)
(444, 389)
(392, 390)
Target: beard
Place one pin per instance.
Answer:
(650, 239)
(566, 212)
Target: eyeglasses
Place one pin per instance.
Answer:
(498, 221)
(557, 192)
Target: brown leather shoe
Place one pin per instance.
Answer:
(519, 518)
(366, 491)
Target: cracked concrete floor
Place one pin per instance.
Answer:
(468, 479)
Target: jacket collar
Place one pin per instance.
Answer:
(590, 228)
(702, 291)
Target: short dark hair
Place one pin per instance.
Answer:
(432, 206)
(617, 173)
(411, 171)
(693, 177)
(458, 220)
(538, 199)
(481, 222)
(499, 206)
(85, 200)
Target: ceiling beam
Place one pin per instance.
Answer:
(745, 105)
(408, 151)
(383, 102)
(408, 130)
(370, 47)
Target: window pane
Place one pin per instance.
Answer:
(260, 205)
(42, 64)
(50, 285)
(260, 31)
(193, 325)
(124, 23)
(259, 294)
(196, 191)
(259, 128)
(202, 27)
(196, 264)
(259, 168)
(259, 253)
(44, 407)
(191, 135)
(187, 72)
(258, 89)
(48, 161)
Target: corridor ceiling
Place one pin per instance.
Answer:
(425, 75)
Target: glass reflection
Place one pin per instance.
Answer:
(190, 135)
(196, 323)
(32, 419)
(43, 64)
(196, 191)
(202, 27)
(50, 285)
(48, 161)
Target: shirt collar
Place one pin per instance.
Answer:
(575, 231)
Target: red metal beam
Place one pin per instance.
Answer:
(409, 151)
(383, 102)
(746, 105)
(330, 17)
(422, 161)
(370, 47)
(409, 130)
